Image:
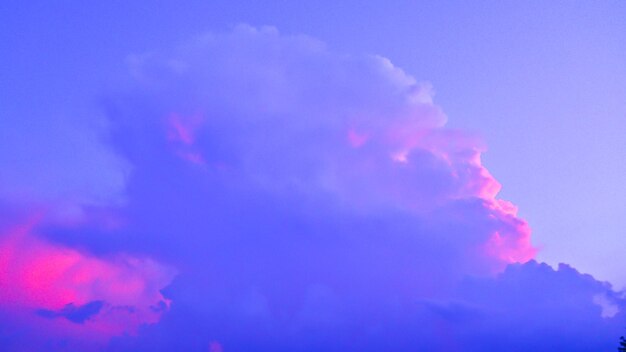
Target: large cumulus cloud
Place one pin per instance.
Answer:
(309, 200)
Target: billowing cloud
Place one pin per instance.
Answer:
(308, 200)
(67, 294)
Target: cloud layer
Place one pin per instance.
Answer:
(307, 200)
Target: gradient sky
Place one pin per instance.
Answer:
(542, 83)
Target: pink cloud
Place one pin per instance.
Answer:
(357, 139)
(181, 132)
(37, 275)
(183, 129)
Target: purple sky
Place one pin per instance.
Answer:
(315, 179)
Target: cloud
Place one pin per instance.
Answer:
(99, 297)
(73, 313)
(308, 200)
(530, 303)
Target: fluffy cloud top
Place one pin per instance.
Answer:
(309, 201)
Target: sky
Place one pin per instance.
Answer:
(220, 176)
